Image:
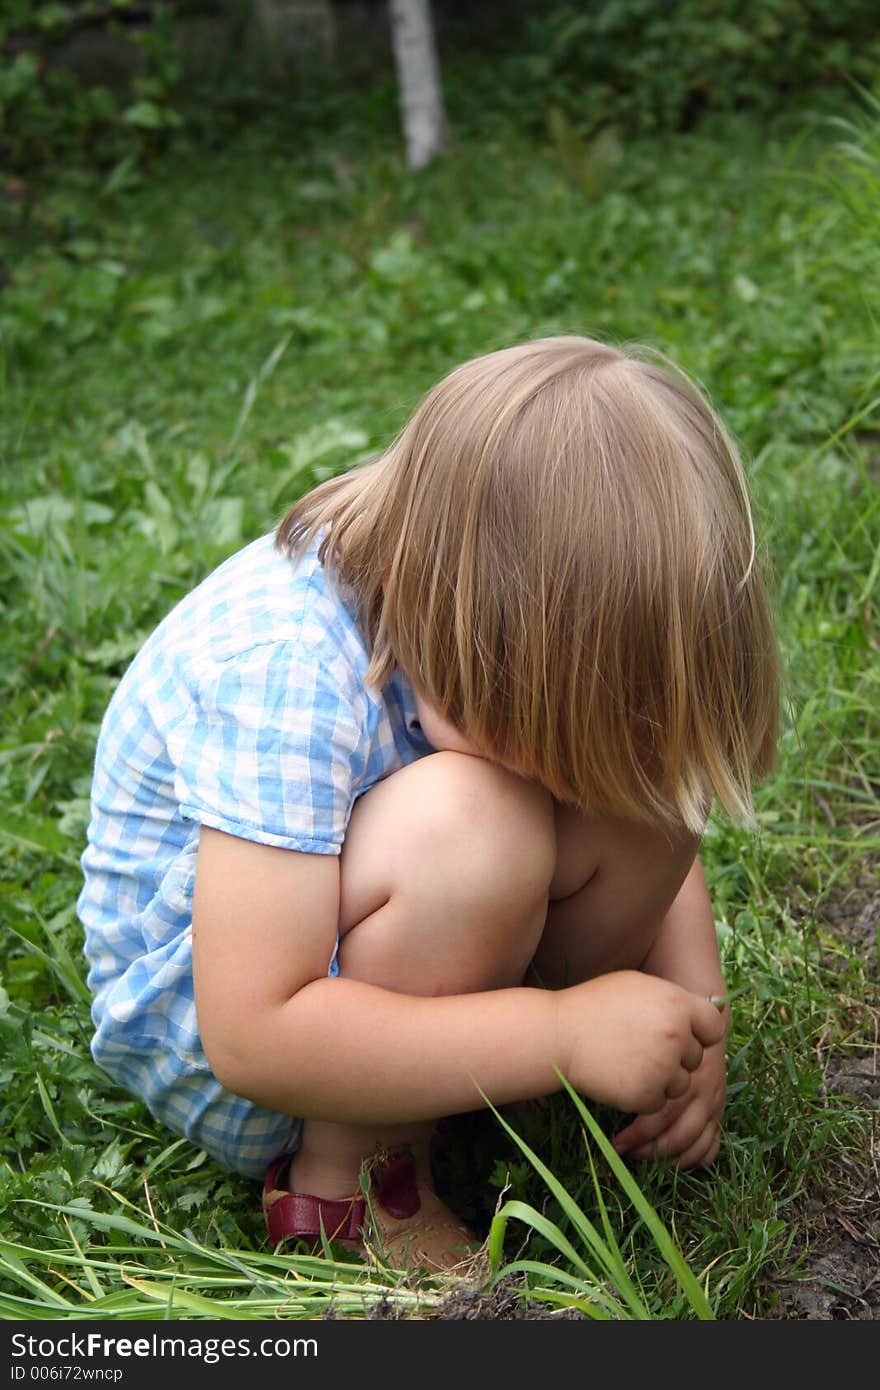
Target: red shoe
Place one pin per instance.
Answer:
(406, 1225)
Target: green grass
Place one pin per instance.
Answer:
(185, 350)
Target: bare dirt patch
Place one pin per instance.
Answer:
(839, 1247)
(502, 1303)
(836, 1274)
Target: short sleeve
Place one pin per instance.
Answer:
(271, 749)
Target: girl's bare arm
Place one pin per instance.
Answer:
(277, 1030)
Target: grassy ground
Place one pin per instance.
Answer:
(187, 349)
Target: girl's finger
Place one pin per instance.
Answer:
(685, 1134)
(647, 1127)
(704, 1149)
(678, 1085)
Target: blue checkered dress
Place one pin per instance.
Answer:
(246, 710)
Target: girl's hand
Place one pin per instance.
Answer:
(688, 1129)
(636, 1042)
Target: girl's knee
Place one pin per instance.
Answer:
(445, 878)
(487, 821)
(450, 826)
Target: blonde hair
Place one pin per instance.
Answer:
(558, 553)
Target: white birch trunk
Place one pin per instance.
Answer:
(418, 77)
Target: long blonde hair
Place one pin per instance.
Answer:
(558, 553)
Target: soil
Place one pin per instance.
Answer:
(836, 1254)
(502, 1303)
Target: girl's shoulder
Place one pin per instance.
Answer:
(260, 597)
(260, 623)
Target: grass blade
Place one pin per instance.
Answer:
(687, 1281)
(610, 1259)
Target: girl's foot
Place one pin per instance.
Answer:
(400, 1221)
(409, 1226)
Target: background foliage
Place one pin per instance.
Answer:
(649, 66)
(640, 65)
(54, 106)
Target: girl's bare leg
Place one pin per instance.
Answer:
(612, 887)
(445, 873)
(625, 896)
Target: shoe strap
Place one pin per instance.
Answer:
(393, 1181)
(292, 1214)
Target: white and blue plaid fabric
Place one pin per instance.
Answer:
(246, 710)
